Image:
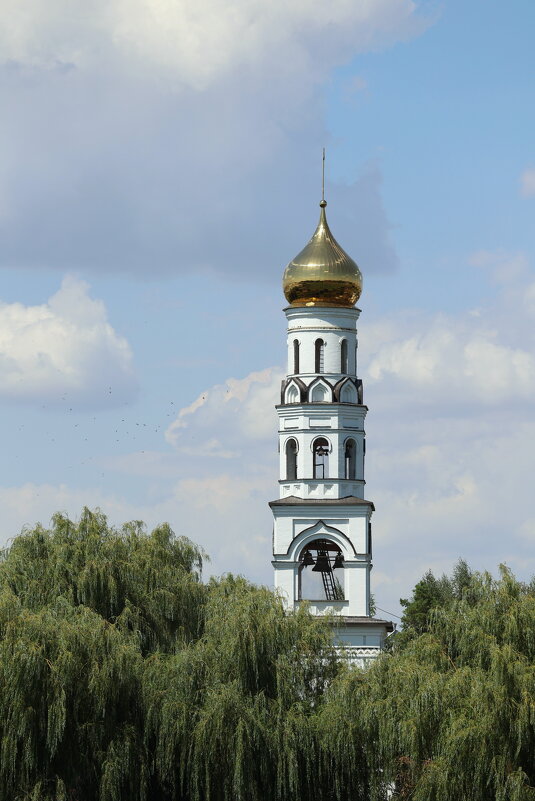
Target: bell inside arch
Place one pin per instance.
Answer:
(321, 583)
(339, 560)
(322, 564)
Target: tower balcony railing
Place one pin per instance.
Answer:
(321, 487)
(323, 607)
(359, 655)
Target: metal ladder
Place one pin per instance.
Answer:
(328, 578)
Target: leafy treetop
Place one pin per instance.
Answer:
(124, 677)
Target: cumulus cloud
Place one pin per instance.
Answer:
(451, 362)
(527, 182)
(482, 358)
(450, 488)
(152, 137)
(63, 347)
(243, 401)
(203, 509)
(201, 42)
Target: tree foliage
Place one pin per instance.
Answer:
(431, 593)
(450, 714)
(147, 584)
(125, 677)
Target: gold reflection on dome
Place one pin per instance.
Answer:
(322, 274)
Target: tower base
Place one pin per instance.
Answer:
(361, 639)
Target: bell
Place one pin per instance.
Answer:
(322, 564)
(339, 560)
(308, 559)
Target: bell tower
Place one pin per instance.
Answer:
(322, 537)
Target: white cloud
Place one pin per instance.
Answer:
(134, 129)
(201, 42)
(451, 362)
(228, 417)
(227, 516)
(65, 347)
(527, 182)
(481, 358)
(470, 498)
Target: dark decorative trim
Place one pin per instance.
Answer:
(320, 380)
(350, 621)
(332, 529)
(349, 500)
(302, 389)
(319, 480)
(339, 384)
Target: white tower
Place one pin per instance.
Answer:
(322, 538)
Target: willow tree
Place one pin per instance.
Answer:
(234, 716)
(123, 676)
(81, 604)
(147, 583)
(449, 714)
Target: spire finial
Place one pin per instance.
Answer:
(323, 201)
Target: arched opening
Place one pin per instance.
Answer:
(321, 458)
(343, 357)
(291, 460)
(348, 393)
(356, 352)
(350, 459)
(319, 394)
(320, 355)
(321, 572)
(292, 394)
(296, 357)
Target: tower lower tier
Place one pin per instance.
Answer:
(322, 554)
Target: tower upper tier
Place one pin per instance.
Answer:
(322, 274)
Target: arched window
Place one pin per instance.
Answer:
(320, 355)
(350, 458)
(348, 393)
(321, 572)
(356, 352)
(291, 460)
(296, 357)
(319, 394)
(292, 394)
(343, 357)
(321, 458)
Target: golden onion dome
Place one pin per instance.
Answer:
(322, 274)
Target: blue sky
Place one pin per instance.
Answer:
(160, 165)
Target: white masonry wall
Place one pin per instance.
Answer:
(335, 419)
(329, 324)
